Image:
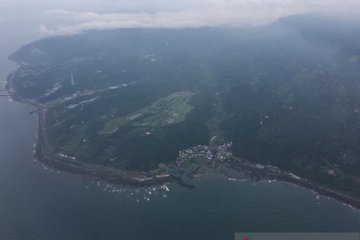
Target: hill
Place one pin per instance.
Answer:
(285, 94)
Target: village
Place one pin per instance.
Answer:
(198, 159)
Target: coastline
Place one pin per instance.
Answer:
(140, 179)
(106, 174)
(287, 177)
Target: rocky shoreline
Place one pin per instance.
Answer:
(240, 170)
(264, 174)
(110, 175)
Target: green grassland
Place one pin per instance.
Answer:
(168, 110)
(150, 127)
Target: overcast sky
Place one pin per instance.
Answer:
(25, 20)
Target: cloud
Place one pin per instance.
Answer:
(43, 29)
(189, 13)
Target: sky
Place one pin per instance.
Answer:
(22, 21)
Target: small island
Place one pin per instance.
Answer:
(147, 106)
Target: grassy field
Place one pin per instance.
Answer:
(168, 110)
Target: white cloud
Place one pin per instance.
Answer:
(188, 13)
(43, 29)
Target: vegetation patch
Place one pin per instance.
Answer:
(166, 111)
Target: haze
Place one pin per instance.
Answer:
(22, 20)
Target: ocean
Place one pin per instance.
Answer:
(39, 203)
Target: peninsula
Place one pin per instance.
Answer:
(146, 106)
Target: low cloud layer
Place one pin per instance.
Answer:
(189, 13)
(22, 21)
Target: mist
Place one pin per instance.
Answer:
(46, 18)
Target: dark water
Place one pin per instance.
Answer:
(37, 203)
